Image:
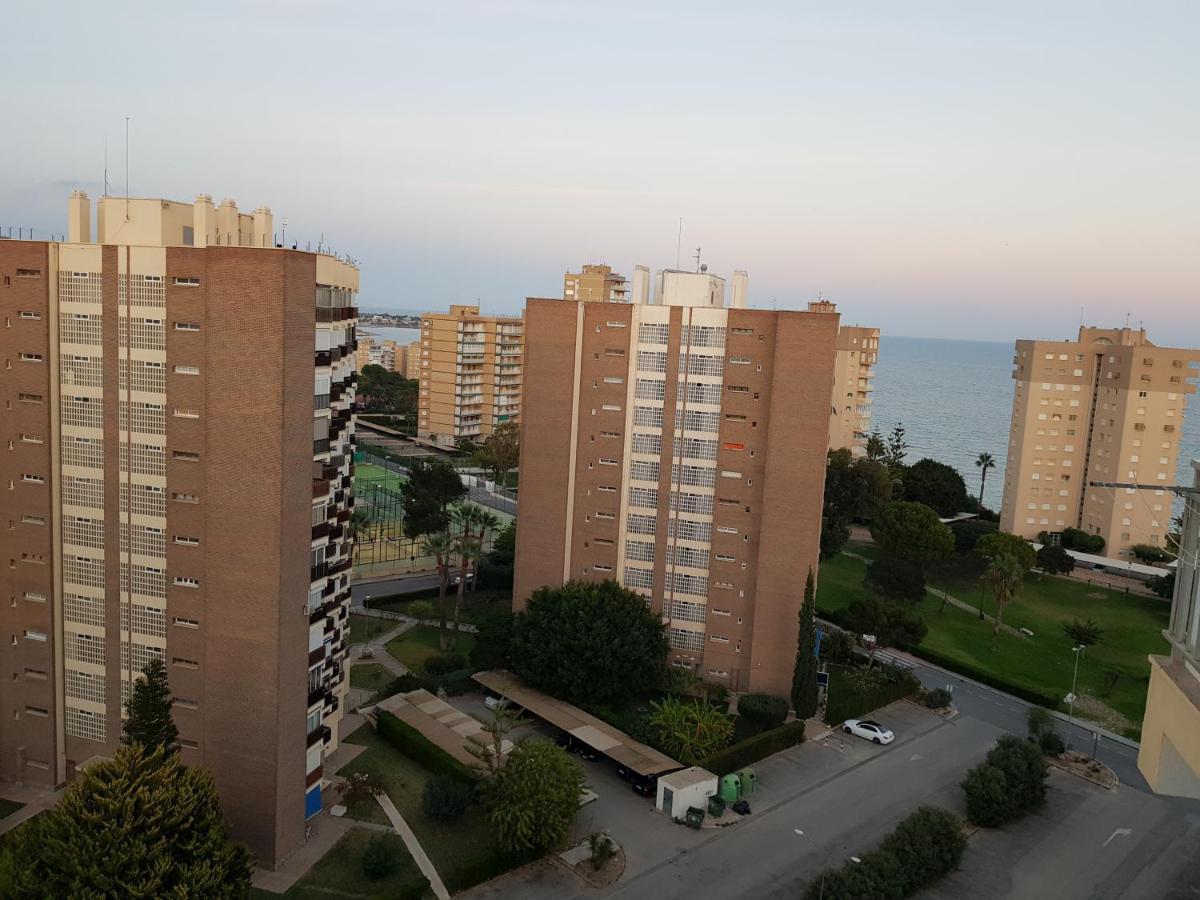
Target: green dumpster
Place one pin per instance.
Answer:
(694, 817)
(748, 779)
(731, 788)
(716, 807)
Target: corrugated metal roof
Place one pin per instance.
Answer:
(612, 742)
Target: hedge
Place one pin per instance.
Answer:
(420, 749)
(843, 704)
(413, 889)
(468, 874)
(765, 710)
(751, 750)
(1028, 694)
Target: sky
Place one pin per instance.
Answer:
(945, 169)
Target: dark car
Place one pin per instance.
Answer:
(565, 741)
(625, 773)
(646, 785)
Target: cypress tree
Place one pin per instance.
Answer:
(804, 681)
(148, 711)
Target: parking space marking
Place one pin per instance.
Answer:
(1122, 831)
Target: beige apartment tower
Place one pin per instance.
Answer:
(1107, 407)
(679, 448)
(595, 282)
(177, 454)
(470, 370)
(853, 384)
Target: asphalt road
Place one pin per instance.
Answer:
(405, 585)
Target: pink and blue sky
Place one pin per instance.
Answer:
(946, 169)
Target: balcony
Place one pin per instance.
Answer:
(337, 314)
(315, 737)
(313, 777)
(315, 656)
(317, 694)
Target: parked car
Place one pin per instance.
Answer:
(646, 785)
(458, 577)
(573, 745)
(493, 702)
(871, 731)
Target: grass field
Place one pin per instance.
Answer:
(415, 646)
(339, 872)
(370, 676)
(364, 628)
(450, 846)
(1112, 674)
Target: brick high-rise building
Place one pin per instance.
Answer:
(678, 446)
(178, 436)
(470, 374)
(1106, 407)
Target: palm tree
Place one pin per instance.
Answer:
(486, 521)
(464, 518)
(357, 525)
(440, 546)
(984, 461)
(1006, 577)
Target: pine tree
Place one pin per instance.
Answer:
(804, 681)
(148, 712)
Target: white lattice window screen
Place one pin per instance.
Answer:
(639, 524)
(648, 416)
(702, 336)
(87, 492)
(83, 610)
(701, 364)
(700, 476)
(653, 333)
(694, 420)
(147, 377)
(688, 612)
(76, 328)
(82, 570)
(647, 443)
(649, 389)
(83, 532)
(643, 497)
(83, 412)
(682, 639)
(147, 418)
(146, 291)
(145, 540)
(684, 501)
(140, 333)
(84, 648)
(146, 459)
(696, 448)
(687, 530)
(140, 656)
(638, 578)
(83, 723)
(691, 557)
(87, 371)
(703, 393)
(642, 551)
(87, 452)
(80, 287)
(645, 470)
(145, 580)
(148, 620)
(652, 361)
(85, 686)
(681, 583)
(147, 501)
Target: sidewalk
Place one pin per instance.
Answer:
(378, 646)
(36, 800)
(414, 846)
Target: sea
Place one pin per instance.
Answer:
(953, 397)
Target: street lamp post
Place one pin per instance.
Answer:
(1078, 651)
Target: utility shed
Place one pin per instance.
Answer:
(687, 787)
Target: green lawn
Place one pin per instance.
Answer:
(364, 628)
(450, 847)
(480, 605)
(8, 807)
(370, 677)
(366, 474)
(414, 647)
(1132, 629)
(339, 872)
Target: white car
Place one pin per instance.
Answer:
(872, 731)
(492, 702)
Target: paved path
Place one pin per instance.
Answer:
(379, 652)
(35, 799)
(424, 863)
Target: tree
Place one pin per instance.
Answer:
(1150, 553)
(804, 678)
(358, 524)
(897, 449)
(912, 531)
(1075, 539)
(467, 546)
(855, 490)
(426, 495)
(501, 453)
(360, 786)
(148, 711)
(690, 730)
(1054, 560)
(490, 750)
(989, 803)
(535, 798)
(1001, 543)
(876, 450)
(493, 643)
(141, 824)
(968, 532)
(501, 559)
(1084, 634)
(984, 461)
(935, 484)
(1006, 576)
(896, 578)
(928, 845)
(589, 643)
(440, 546)
(893, 624)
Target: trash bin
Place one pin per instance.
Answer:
(716, 807)
(731, 788)
(748, 781)
(695, 817)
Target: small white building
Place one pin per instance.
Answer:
(687, 787)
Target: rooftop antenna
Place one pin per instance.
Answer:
(697, 259)
(679, 242)
(127, 168)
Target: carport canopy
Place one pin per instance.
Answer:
(613, 743)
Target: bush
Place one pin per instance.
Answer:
(418, 748)
(1164, 585)
(1008, 784)
(897, 579)
(421, 609)
(1148, 553)
(968, 532)
(403, 684)
(455, 684)
(380, 860)
(764, 710)
(1053, 559)
(925, 846)
(850, 701)
(535, 798)
(441, 663)
(446, 799)
(1051, 744)
(602, 849)
(751, 750)
(938, 698)
(984, 677)
(837, 646)
(1074, 539)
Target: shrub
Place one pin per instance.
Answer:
(897, 579)
(988, 801)
(765, 710)
(938, 698)
(1148, 553)
(1008, 784)
(457, 683)
(1053, 559)
(690, 730)
(602, 849)
(751, 750)
(925, 846)
(968, 532)
(1051, 744)
(535, 798)
(1039, 722)
(984, 677)
(1074, 539)
(837, 646)
(441, 663)
(418, 748)
(445, 798)
(851, 701)
(421, 609)
(1164, 585)
(360, 786)
(379, 860)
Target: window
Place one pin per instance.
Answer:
(680, 583)
(181, 581)
(700, 476)
(33, 479)
(692, 503)
(648, 416)
(187, 370)
(701, 421)
(187, 326)
(649, 389)
(739, 360)
(611, 407)
(703, 393)
(702, 336)
(653, 333)
(613, 379)
(647, 497)
(647, 443)
(641, 524)
(644, 470)
(30, 314)
(29, 398)
(688, 612)
(692, 557)
(636, 577)
(185, 498)
(185, 455)
(190, 281)
(180, 622)
(652, 361)
(186, 413)
(643, 551)
(698, 364)
(684, 639)
(29, 273)
(30, 357)
(695, 448)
